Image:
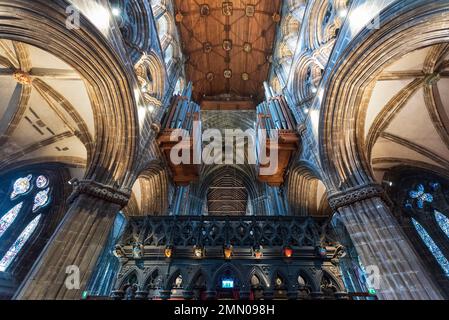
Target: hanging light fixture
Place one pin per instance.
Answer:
(257, 251)
(288, 252)
(198, 251)
(168, 252)
(227, 251)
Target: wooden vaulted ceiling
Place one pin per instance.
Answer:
(228, 45)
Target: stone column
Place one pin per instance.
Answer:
(77, 243)
(382, 244)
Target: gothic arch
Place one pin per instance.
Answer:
(279, 273)
(305, 191)
(290, 26)
(400, 183)
(257, 271)
(335, 280)
(151, 75)
(166, 30)
(172, 278)
(228, 268)
(246, 177)
(198, 273)
(122, 281)
(150, 276)
(309, 279)
(158, 7)
(306, 78)
(51, 215)
(135, 25)
(151, 192)
(87, 51)
(345, 164)
(323, 22)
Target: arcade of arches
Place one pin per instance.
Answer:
(351, 95)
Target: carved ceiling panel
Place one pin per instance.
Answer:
(228, 45)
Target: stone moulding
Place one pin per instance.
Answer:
(353, 195)
(100, 191)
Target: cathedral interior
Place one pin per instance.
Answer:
(224, 150)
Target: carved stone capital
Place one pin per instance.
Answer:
(301, 129)
(23, 77)
(351, 196)
(100, 191)
(156, 127)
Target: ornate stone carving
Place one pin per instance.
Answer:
(351, 196)
(123, 271)
(137, 251)
(118, 251)
(22, 77)
(273, 231)
(227, 45)
(227, 74)
(101, 191)
(227, 8)
(156, 127)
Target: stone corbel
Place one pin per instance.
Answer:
(353, 195)
(100, 191)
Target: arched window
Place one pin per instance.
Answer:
(28, 196)
(7, 220)
(18, 244)
(442, 221)
(431, 245)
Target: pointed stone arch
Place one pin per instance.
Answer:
(231, 268)
(258, 272)
(110, 89)
(345, 163)
(152, 78)
(196, 275)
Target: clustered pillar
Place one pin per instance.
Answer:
(77, 243)
(381, 243)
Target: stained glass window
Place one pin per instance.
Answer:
(18, 244)
(42, 182)
(439, 256)
(9, 217)
(41, 199)
(443, 222)
(421, 196)
(21, 186)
